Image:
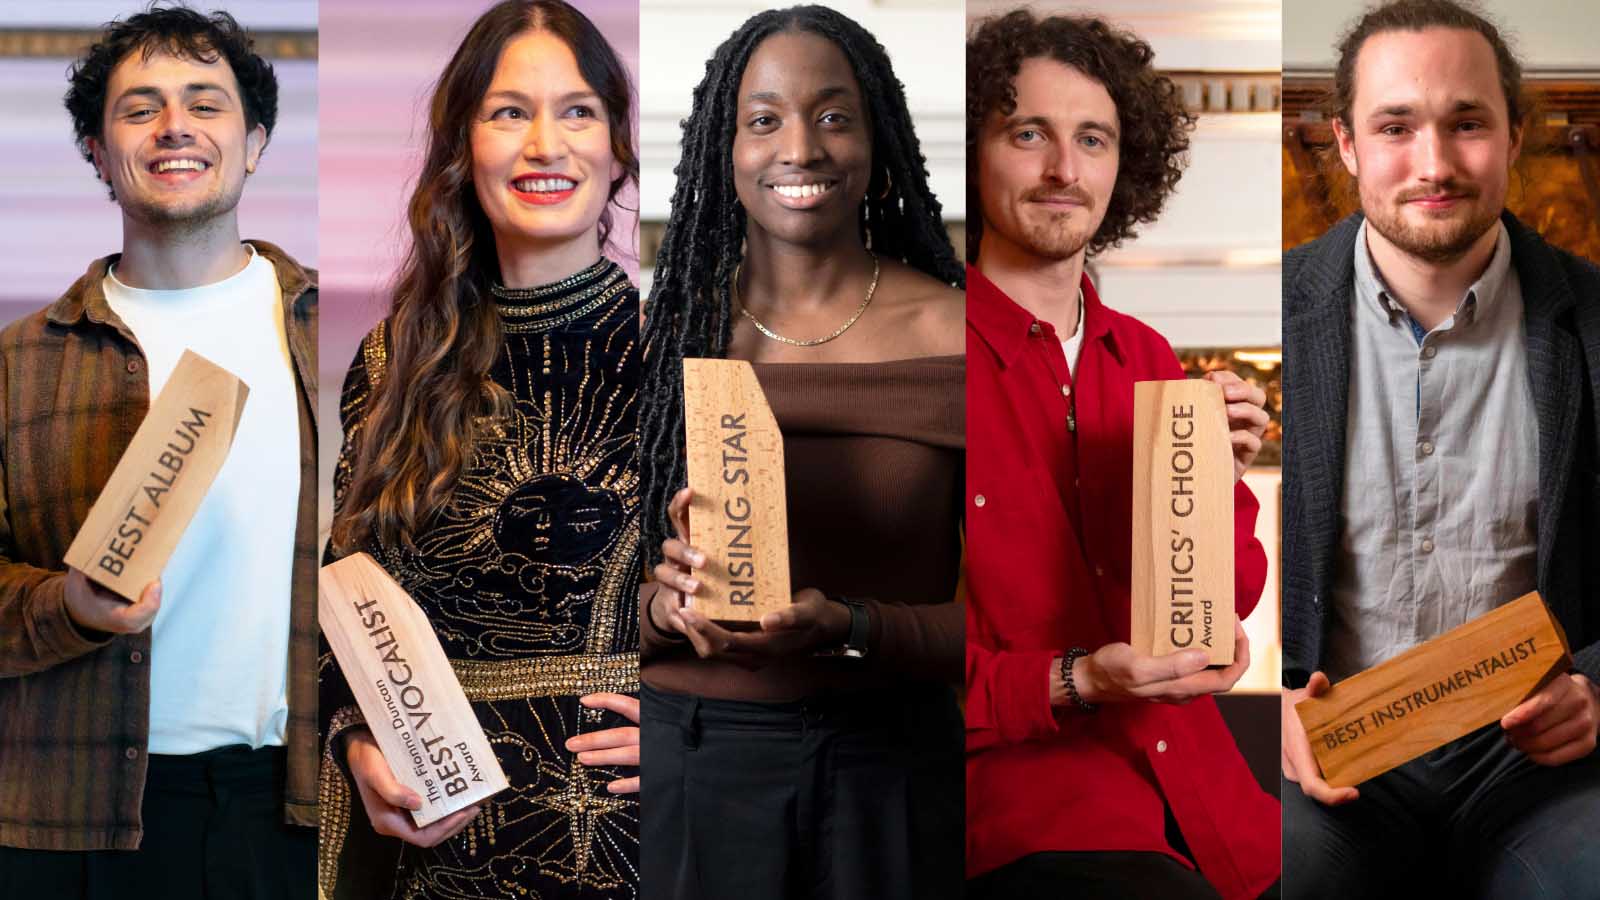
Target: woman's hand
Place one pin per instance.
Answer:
(675, 573)
(810, 622)
(388, 801)
(613, 746)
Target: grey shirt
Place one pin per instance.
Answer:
(1441, 490)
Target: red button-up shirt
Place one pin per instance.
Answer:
(1049, 524)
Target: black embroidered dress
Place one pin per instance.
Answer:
(529, 576)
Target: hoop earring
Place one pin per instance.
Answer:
(888, 185)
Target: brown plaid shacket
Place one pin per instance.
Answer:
(74, 713)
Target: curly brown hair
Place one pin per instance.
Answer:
(1155, 124)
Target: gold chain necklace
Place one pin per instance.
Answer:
(871, 289)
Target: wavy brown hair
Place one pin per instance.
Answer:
(422, 420)
(1154, 144)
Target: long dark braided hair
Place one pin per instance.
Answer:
(691, 310)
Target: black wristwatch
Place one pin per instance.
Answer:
(855, 643)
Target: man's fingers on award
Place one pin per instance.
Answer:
(136, 616)
(1298, 748)
(1236, 389)
(1558, 723)
(1531, 709)
(1151, 673)
(624, 786)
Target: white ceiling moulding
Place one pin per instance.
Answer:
(1185, 34)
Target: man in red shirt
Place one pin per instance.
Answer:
(1090, 773)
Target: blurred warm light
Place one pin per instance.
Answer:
(1261, 359)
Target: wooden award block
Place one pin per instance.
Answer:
(153, 493)
(1182, 520)
(1435, 692)
(406, 689)
(739, 516)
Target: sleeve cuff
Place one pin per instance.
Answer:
(1025, 712)
(57, 634)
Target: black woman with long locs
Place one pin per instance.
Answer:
(820, 754)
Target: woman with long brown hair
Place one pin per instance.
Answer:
(489, 465)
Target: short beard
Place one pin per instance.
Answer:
(1433, 245)
(1050, 238)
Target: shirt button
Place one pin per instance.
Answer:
(131, 753)
(1427, 448)
(1430, 352)
(979, 500)
(1066, 390)
(136, 657)
(1034, 328)
(1161, 746)
(1427, 545)
(133, 366)
(1099, 572)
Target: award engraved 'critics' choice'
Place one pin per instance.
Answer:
(1183, 542)
(739, 516)
(406, 689)
(140, 516)
(1435, 692)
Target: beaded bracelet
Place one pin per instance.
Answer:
(1072, 687)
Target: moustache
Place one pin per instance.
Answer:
(1453, 189)
(1056, 195)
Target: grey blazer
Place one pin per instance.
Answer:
(1561, 295)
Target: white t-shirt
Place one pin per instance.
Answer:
(1071, 346)
(219, 654)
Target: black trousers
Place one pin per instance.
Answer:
(856, 798)
(1100, 875)
(1473, 819)
(213, 830)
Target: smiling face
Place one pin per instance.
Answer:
(542, 164)
(174, 146)
(802, 151)
(1046, 172)
(1429, 139)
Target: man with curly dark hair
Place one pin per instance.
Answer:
(164, 748)
(1442, 366)
(1093, 771)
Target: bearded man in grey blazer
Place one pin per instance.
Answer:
(1441, 365)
